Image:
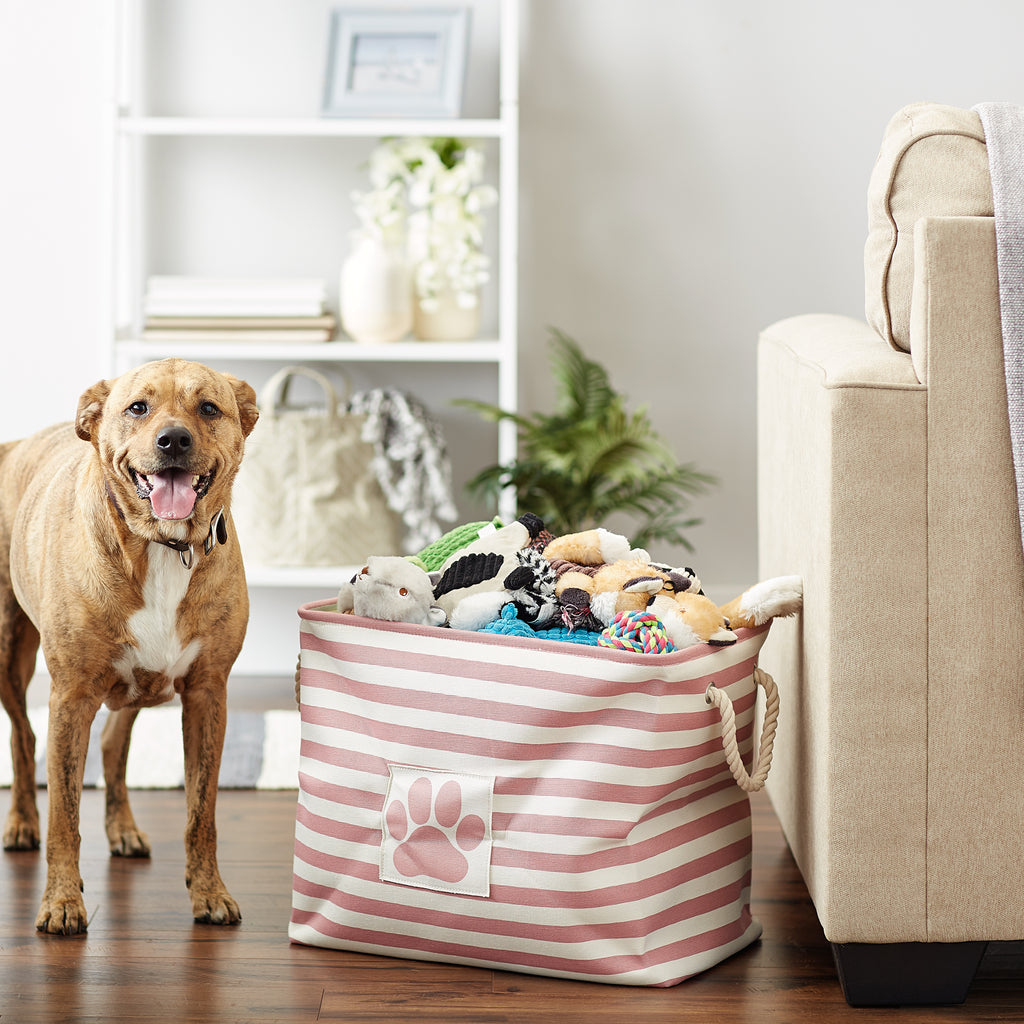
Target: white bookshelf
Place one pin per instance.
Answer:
(145, 134)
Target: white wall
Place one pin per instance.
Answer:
(53, 65)
(691, 171)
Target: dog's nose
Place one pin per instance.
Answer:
(174, 440)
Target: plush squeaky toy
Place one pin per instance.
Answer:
(618, 587)
(434, 555)
(593, 547)
(529, 588)
(592, 600)
(691, 618)
(391, 588)
(481, 567)
(776, 598)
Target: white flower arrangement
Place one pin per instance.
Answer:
(439, 179)
(381, 213)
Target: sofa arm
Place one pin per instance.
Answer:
(844, 351)
(842, 492)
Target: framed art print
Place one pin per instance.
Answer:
(396, 62)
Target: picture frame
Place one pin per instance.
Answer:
(396, 62)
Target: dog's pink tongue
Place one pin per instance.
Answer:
(172, 496)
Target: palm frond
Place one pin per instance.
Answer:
(584, 387)
(492, 413)
(592, 458)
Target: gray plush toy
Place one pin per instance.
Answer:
(391, 588)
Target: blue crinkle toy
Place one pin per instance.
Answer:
(509, 624)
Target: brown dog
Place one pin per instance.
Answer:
(124, 565)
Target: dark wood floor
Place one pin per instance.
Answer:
(145, 960)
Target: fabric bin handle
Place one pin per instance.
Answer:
(720, 699)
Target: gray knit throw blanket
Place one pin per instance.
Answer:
(1004, 137)
(411, 462)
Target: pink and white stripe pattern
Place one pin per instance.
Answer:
(518, 804)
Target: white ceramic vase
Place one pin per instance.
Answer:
(448, 322)
(375, 293)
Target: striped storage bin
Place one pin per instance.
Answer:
(525, 805)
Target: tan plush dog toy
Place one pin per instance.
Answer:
(691, 618)
(593, 600)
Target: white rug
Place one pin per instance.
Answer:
(261, 750)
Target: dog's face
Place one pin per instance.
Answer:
(170, 437)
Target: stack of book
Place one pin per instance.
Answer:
(206, 309)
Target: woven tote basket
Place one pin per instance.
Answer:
(525, 805)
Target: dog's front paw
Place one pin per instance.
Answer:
(214, 907)
(129, 843)
(20, 833)
(62, 915)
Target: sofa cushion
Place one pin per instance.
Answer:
(932, 163)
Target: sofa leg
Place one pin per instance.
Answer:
(906, 973)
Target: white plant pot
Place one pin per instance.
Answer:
(449, 322)
(374, 293)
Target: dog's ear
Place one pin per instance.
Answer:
(90, 409)
(248, 414)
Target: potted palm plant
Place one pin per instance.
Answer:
(592, 458)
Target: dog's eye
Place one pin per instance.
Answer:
(137, 409)
(403, 592)
(209, 410)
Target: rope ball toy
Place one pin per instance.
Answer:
(639, 632)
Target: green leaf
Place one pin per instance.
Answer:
(591, 458)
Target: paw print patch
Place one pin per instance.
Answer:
(437, 830)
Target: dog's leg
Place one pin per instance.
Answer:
(19, 643)
(63, 909)
(124, 836)
(204, 722)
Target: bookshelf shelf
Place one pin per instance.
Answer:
(308, 127)
(131, 351)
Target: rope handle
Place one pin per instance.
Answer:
(720, 699)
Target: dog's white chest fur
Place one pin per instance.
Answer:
(157, 647)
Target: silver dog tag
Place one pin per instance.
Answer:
(218, 532)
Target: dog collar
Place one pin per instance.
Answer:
(218, 535)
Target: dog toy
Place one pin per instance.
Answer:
(679, 580)
(483, 565)
(509, 624)
(591, 601)
(433, 556)
(529, 587)
(639, 632)
(593, 547)
(391, 588)
(776, 598)
(532, 588)
(691, 618)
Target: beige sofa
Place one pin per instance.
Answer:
(886, 480)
